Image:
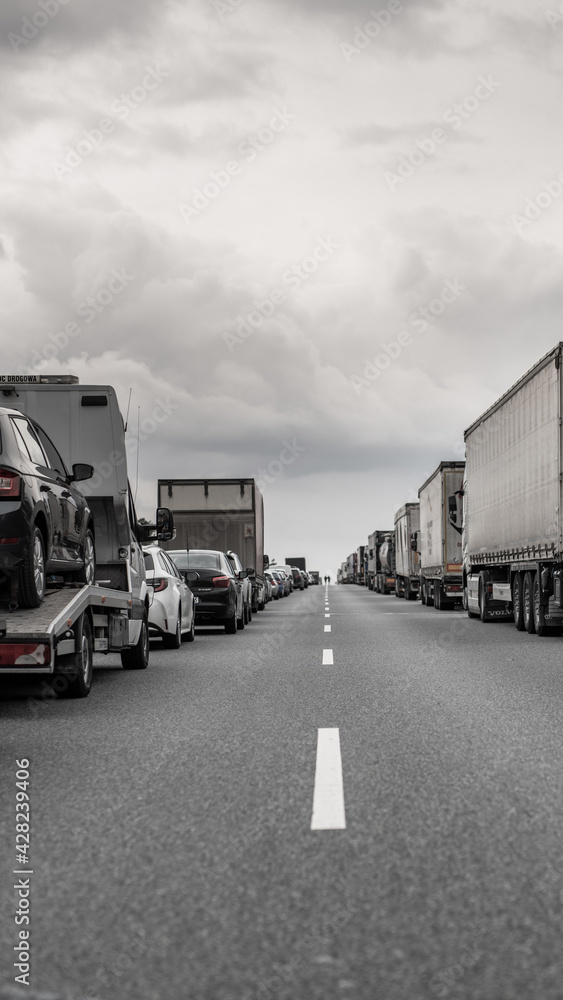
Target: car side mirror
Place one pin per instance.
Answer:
(414, 541)
(243, 574)
(191, 576)
(250, 571)
(81, 471)
(165, 529)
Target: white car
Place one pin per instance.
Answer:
(172, 606)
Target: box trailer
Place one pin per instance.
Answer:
(439, 539)
(58, 638)
(384, 558)
(512, 505)
(298, 561)
(407, 560)
(224, 514)
(359, 565)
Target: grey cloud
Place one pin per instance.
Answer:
(78, 24)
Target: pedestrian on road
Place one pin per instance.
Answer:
(328, 579)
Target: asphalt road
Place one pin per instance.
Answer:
(172, 850)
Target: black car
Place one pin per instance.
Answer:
(46, 525)
(211, 578)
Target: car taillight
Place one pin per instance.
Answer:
(9, 484)
(158, 584)
(221, 581)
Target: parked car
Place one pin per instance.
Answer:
(211, 578)
(172, 607)
(280, 582)
(246, 585)
(298, 581)
(46, 524)
(273, 586)
(287, 583)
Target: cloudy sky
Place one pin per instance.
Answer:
(334, 226)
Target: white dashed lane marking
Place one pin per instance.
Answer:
(328, 796)
(328, 628)
(328, 657)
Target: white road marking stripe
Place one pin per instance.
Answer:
(328, 658)
(328, 796)
(327, 616)
(328, 628)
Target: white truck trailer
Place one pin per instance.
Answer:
(224, 514)
(512, 510)
(58, 639)
(407, 561)
(439, 539)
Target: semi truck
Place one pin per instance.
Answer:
(512, 537)
(359, 566)
(407, 560)
(298, 561)
(224, 514)
(384, 562)
(439, 538)
(57, 640)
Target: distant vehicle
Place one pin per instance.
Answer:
(225, 515)
(279, 579)
(211, 578)
(315, 576)
(439, 539)
(385, 562)
(273, 586)
(407, 560)
(46, 525)
(172, 607)
(246, 586)
(286, 569)
(359, 566)
(298, 561)
(298, 580)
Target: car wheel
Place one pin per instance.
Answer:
(78, 668)
(137, 658)
(241, 622)
(517, 607)
(231, 626)
(249, 614)
(174, 641)
(528, 603)
(87, 574)
(33, 578)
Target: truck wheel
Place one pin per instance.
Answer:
(482, 602)
(517, 608)
(78, 666)
(539, 619)
(137, 658)
(528, 603)
(437, 597)
(33, 579)
(174, 641)
(423, 593)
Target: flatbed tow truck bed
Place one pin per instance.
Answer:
(32, 639)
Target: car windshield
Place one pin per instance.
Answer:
(196, 559)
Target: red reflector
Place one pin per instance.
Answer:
(158, 584)
(24, 654)
(9, 484)
(9, 541)
(221, 581)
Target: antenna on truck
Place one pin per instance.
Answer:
(127, 414)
